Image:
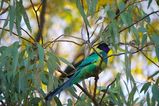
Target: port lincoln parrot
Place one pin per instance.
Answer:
(87, 68)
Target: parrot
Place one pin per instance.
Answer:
(87, 68)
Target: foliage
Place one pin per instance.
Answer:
(30, 66)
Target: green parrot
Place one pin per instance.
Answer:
(87, 68)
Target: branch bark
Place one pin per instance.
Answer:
(39, 35)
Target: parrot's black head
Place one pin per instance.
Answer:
(103, 47)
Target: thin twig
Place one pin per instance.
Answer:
(138, 21)
(149, 59)
(87, 33)
(28, 34)
(63, 40)
(106, 91)
(118, 14)
(17, 35)
(95, 87)
(90, 96)
(4, 10)
(69, 41)
(39, 6)
(36, 14)
(50, 42)
(94, 31)
(39, 35)
(145, 54)
(21, 29)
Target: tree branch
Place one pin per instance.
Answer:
(42, 21)
(21, 29)
(90, 96)
(18, 35)
(154, 12)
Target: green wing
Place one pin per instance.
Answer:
(86, 68)
(89, 60)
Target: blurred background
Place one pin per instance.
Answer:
(62, 30)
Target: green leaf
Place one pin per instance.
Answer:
(144, 40)
(149, 3)
(126, 18)
(81, 10)
(52, 62)
(148, 99)
(34, 101)
(128, 64)
(155, 39)
(4, 25)
(111, 14)
(11, 17)
(43, 77)
(18, 17)
(72, 91)
(15, 55)
(41, 55)
(22, 82)
(136, 35)
(1, 4)
(131, 96)
(145, 87)
(114, 31)
(66, 62)
(121, 6)
(69, 102)
(157, 52)
(155, 92)
(91, 6)
(26, 18)
(58, 102)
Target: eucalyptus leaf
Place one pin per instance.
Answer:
(66, 62)
(145, 87)
(149, 3)
(91, 6)
(25, 17)
(81, 10)
(18, 18)
(144, 40)
(155, 92)
(41, 55)
(58, 102)
(12, 12)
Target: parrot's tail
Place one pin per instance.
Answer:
(58, 90)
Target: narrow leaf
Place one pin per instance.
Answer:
(81, 10)
(145, 87)
(58, 102)
(149, 3)
(155, 92)
(144, 39)
(91, 6)
(41, 55)
(66, 62)
(15, 55)
(1, 4)
(26, 18)
(155, 39)
(11, 17)
(121, 6)
(157, 52)
(18, 18)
